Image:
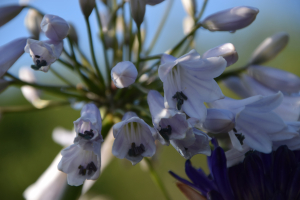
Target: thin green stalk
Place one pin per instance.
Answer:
(65, 63)
(140, 48)
(158, 56)
(104, 47)
(92, 51)
(202, 11)
(161, 25)
(130, 39)
(61, 77)
(156, 179)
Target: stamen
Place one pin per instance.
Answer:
(87, 134)
(37, 56)
(180, 99)
(165, 132)
(241, 138)
(135, 151)
(89, 168)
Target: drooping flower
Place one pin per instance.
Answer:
(133, 139)
(43, 53)
(12, 51)
(231, 19)
(169, 123)
(269, 48)
(260, 176)
(188, 82)
(82, 160)
(227, 51)
(54, 27)
(255, 122)
(124, 74)
(195, 142)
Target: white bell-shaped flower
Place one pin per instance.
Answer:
(124, 74)
(195, 142)
(54, 27)
(169, 123)
(43, 53)
(189, 81)
(219, 121)
(82, 160)
(133, 139)
(12, 51)
(227, 51)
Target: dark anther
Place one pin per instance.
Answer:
(135, 151)
(185, 148)
(37, 56)
(234, 130)
(248, 153)
(87, 134)
(166, 132)
(41, 63)
(241, 138)
(82, 171)
(91, 167)
(35, 67)
(180, 99)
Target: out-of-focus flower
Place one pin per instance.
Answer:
(246, 86)
(7, 13)
(82, 160)
(195, 142)
(133, 139)
(54, 27)
(87, 7)
(73, 34)
(138, 9)
(219, 121)
(12, 51)
(30, 93)
(169, 123)
(190, 7)
(32, 22)
(188, 82)
(231, 19)
(256, 123)
(227, 51)
(260, 176)
(234, 156)
(43, 53)
(275, 79)
(269, 48)
(124, 74)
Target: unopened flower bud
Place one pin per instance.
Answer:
(87, 7)
(138, 9)
(12, 51)
(43, 53)
(231, 19)
(32, 22)
(269, 48)
(227, 51)
(7, 13)
(190, 6)
(276, 79)
(124, 74)
(73, 34)
(219, 121)
(54, 27)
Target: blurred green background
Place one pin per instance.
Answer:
(27, 148)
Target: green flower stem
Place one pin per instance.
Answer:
(71, 192)
(65, 63)
(139, 49)
(158, 56)
(202, 11)
(61, 77)
(92, 51)
(15, 109)
(130, 39)
(104, 47)
(156, 179)
(160, 27)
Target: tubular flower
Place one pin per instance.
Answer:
(133, 139)
(188, 82)
(43, 53)
(82, 160)
(259, 176)
(169, 123)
